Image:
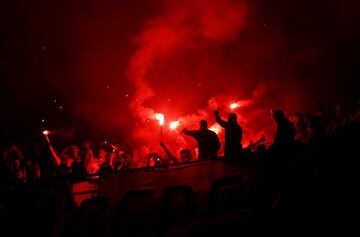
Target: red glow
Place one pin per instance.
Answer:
(46, 132)
(174, 55)
(215, 128)
(173, 125)
(160, 117)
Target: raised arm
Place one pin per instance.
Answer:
(55, 155)
(192, 133)
(53, 152)
(88, 159)
(168, 153)
(220, 121)
(111, 160)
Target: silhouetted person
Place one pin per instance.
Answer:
(73, 160)
(87, 154)
(279, 158)
(185, 155)
(16, 163)
(283, 142)
(317, 130)
(233, 135)
(207, 141)
(302, 132)
(107, 161)
(127, 161)
(285, 131)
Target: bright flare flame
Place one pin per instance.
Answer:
(173, 125)
(234, 105)
(215, 128)
(160, 117)
(46, 132)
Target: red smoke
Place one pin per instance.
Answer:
(179, 70)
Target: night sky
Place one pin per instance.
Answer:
(66, 63)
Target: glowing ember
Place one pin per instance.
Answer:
(46, 132)
(160, 117)
(234, 105)
(215, 128)
(173, 125)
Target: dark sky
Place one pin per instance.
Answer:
(66, 61)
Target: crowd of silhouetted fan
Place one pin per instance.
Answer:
(26, 163)
(304, 172)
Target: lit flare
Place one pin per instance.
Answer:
(173, 125)
(160, 117)
(234, 105)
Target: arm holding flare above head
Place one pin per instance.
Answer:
(220, 121)
(52, 150)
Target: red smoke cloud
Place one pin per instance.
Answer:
(181, 51)
(184, 26)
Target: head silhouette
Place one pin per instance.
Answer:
(278, 115)
(86, 143)
(185, 155)
(232, 118)
(203, 124)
